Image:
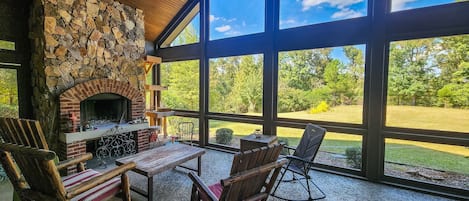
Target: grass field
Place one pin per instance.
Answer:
(436, 156)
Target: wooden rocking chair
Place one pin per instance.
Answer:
(38, 175)
(253, 174)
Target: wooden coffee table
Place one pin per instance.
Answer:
(157, 160)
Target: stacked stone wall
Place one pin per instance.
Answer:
(75, 41)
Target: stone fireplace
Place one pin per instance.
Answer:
(86, 53)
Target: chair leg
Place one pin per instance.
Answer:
(279, 181)
(125, 187)
(319, 189)
(308, 180)
(308, 188)
(307, 184)
(194, 194)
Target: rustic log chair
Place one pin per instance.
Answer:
(300, 163)
(25, 144)
(253, 174)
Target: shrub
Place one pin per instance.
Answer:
(293, 100)
(322, 107)
(8, 111)
(354, 157)
(224, 135)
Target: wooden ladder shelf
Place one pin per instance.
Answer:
(157, 115)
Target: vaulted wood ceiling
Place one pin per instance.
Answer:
(158, 14)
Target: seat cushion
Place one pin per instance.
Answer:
(103, 191)
(216, 189)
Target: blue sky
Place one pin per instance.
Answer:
(338, 53)
(294, 13)
(409, 4)
(229, 18)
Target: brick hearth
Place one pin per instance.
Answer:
(70, 104)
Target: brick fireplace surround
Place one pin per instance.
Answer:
(70, 104)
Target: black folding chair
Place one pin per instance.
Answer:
(302, 159)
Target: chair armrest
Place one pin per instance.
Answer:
(202, 187)
(87, 185)
(74, 161)
(291, 157)
(289, 147)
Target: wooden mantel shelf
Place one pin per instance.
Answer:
(155, 87)
(153, 59)
(157, 114)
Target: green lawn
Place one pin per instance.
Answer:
(345, 114)
(437, 156)
(415, 154)
(433, 118)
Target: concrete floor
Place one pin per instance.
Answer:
(174, 185)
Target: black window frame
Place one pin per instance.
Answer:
(376, 31)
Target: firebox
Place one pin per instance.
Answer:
(105, 108)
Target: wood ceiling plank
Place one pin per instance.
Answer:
(158, 14)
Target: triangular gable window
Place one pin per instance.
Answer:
(187, 32)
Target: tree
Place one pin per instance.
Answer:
(182, 79)
(303, 69)
(188, 35)
(8, 87)
(456, 93)
(452, 52)
(247, 88)
(8, 93)
(356, 68)
(222, 76)
(411, 73)
(339, 82)
(301, 79)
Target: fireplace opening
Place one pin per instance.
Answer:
(105, 108)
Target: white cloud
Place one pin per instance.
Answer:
(223, 28)
(307, 4)
(213, 18)
(233, 33)
(399, 4)
(289, 21)
(346, 13)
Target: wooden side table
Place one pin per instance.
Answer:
(251, 142)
